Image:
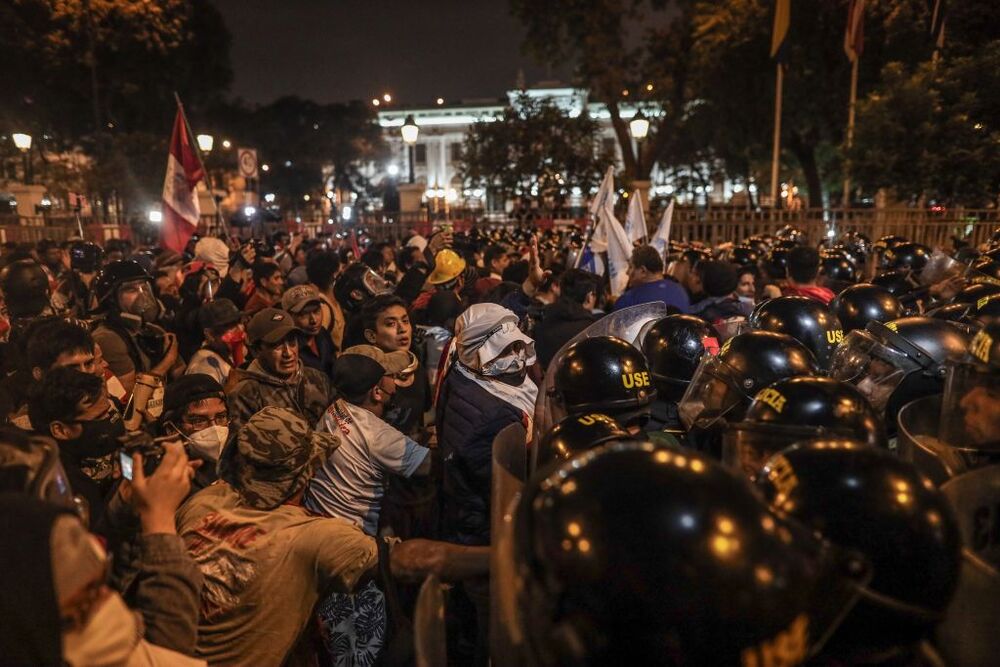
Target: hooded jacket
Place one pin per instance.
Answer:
(307, 392)
(560, 321)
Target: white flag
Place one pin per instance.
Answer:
(661, 238)
(635, 220)
(619, 254)
(604, 192)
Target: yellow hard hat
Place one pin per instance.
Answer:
(448, 265)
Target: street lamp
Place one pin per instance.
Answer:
(206, 142)
(410, 131)
(23, 143)
(639, 126)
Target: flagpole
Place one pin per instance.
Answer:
(776, 149)
(850, 129)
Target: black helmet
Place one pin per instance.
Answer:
(889, 241)
(743, 255)
(85, 257)
(791, 233)
(758, 243)
(630, 551)
(673, 347)
(899, 361)
(724, 385)
(897, 283)
(857, 245)
(973, 293)
(114, 274)
(776, 263)
(357, 284)
(837, 267)
(985, 270)
(911, 256)
(798, 409)
(25, 288)
(603, 374)
(806, 320)
(576, 434)
(860, 304)
(872, 502)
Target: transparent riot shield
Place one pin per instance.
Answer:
(626, 324)
(429, 640)
(967, 637)
(975, 496)
(510, 469)
(918, 441)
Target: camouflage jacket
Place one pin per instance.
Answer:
(308, 393)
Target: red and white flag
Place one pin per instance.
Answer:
(180, 200)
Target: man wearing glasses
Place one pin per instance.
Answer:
(194, 407)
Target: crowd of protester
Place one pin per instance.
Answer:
(253, 453)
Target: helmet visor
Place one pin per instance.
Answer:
(970, 409)
(875, 369)
(939, 267)
(375, 284)
(714, 394)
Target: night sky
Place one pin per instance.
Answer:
(339, 50)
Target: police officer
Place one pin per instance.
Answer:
(131, 341)
(898, 362)
(797, 409)
(860, 304)
(724, 386)
(576, 434)
(605, 374)
(970, 407)
(871, 502)
(806, 320)
(673, 346)
(632, 553)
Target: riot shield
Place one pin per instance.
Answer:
(510, 469)
(918, 441)
(626, 324)
(429, 640)
(967, 637)
(975, 496)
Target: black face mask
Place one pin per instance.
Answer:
(98, 437)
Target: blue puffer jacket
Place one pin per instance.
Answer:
(468, 418)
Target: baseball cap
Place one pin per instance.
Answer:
(298, 297)
(394, 363)
(356, 374)
(218, 313)
(190, 388)
(270, 325)
(274, 457)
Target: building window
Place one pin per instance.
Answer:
(456, 152)
(420, 153)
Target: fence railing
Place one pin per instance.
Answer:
(936, 228)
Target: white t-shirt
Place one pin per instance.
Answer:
(351, 483)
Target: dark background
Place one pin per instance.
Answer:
(339, 50)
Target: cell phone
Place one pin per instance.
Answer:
(126, 463)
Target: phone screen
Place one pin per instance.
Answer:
(126, 463)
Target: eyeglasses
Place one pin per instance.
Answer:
(198, 422)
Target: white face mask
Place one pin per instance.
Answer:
(509, 363)
(208, 442)
(108, 638)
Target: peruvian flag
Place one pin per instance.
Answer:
(180, 201)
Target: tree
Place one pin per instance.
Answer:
(534, 150)
(624, 51)
(934, 132)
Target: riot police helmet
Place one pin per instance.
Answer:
(860, 304)
(673, 346)
(806, 320)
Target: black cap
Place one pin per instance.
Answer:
(190, 388)
(218, 313)
(719, 278)
(356, 374)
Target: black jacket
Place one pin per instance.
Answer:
(560, 321)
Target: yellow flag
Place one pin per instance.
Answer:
(782, 17)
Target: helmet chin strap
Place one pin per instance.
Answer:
(131, 318)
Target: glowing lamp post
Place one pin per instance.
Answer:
(23, 143)
(410, 131)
